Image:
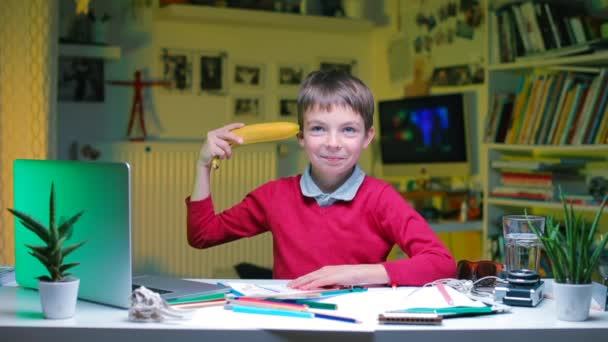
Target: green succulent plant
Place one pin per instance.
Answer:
(570, 249)
(52, 254)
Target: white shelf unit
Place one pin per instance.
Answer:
(504, 77)
(496, 207)
(110, 52)
(277, 20)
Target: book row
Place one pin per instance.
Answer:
(535, 29)
(551, 108)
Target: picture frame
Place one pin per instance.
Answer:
(291, 75)
(213, 73)
(451, 76)
(248, 74)
(80, 79)
(288, 107)
(176, 68)
(247, 108)
(344, 64)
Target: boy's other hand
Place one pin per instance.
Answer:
(341, 275)
(218, 144)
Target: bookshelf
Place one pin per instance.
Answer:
(556, 135)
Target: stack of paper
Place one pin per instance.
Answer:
(7, 275)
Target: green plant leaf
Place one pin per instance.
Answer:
(66, 267)
(41, 257)
(52, 254)
(66, 227)
(32, 224)
(69, 249)
(52, 227)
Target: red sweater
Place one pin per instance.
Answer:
(308, 237)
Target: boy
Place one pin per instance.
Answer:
(332, 225)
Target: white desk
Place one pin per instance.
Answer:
(21, 320)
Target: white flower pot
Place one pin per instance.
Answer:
(58, 299)
(572, 301)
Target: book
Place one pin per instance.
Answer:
(576, 49)
(7, 275)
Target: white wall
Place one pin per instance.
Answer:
(190, 116)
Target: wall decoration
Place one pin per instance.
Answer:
(291, 74)
(213, 72)
(177, 69)
(248, 74)
(80, 79)
(344, 64)
(452, 76)
(288, 107)
(247, 108)
(447, 32)
(137, 108)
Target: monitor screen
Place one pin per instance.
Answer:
(423, 135)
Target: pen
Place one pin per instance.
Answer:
(444, 292)
(315, 305)
(269, 311)
(336, 318)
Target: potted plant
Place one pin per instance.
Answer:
(58, 291)
(573, 258)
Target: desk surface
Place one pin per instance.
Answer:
(21, 319)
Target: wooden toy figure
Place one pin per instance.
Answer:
(137, 109)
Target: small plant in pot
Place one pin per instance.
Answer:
(574, 259)
(58, 291)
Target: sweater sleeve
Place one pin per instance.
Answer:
(245, 219)
(428, 258)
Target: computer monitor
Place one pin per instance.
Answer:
(424, 135)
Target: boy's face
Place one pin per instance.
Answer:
(333, 141)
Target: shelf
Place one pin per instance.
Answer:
(456, 89)
(232, 16)
(535, 204)
(594, 59)
(456, 226)
(548, 148)
(85, 50)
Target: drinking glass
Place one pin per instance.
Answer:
(522, 246)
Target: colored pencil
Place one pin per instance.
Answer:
(271, 311)
(244, 301)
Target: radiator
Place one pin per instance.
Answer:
(162, 176)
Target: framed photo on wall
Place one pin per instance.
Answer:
(213, 73)
(291, 75)
(288, 107)
(451, 76)
(246, 108)
(176, 67)
(247, 74)
(344, 64)
(80, 79)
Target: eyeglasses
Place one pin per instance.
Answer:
(474, 270)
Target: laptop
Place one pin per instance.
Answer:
(103, 191)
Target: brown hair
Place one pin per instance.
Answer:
(326, 89)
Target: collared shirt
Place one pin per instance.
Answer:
(346, 192)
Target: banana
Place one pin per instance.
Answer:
(263, 132)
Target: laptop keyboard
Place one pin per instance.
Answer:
(159, 291)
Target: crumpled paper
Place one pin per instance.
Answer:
(149, 306)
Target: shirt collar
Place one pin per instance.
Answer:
(345, 192)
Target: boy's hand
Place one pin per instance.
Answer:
(218, 144)
(343, 275)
